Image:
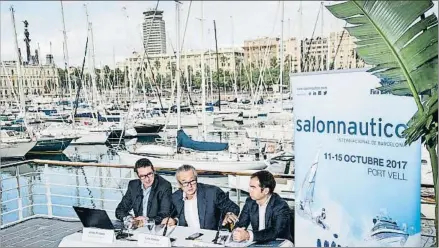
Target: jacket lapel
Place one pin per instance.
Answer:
(151, 193)
(269, 210)
(180, 207)
(138, 204)
(255, 216)
(201, 205)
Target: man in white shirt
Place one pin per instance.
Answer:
(268, 214)
(198, 205)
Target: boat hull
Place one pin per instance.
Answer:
(52, 146)
(127, 158)
(148, 129)
(91, 138)
(15, 149)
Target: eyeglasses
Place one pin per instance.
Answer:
(193, 182)
(150, 175)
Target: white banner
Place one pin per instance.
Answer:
(357, 184)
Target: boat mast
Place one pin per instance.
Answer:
(217, 67)
(177, 71)
(321, 57)
(300, 37)
(282, 57)
(92, 69)
(234, 61)
(210, 69)
(203, 78)
(66, 62)
(19, 62)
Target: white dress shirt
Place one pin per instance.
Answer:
(191, 212)
(262, 211)
(146, 193)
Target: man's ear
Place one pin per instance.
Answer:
(266, 191)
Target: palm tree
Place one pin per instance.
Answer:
(397, 38)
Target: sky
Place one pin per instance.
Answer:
(117, 25)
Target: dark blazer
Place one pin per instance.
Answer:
(211, 202)
(159, 200)
(277, 219)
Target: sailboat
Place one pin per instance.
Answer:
(206, 156)
(305, 199)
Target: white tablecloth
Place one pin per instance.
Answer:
(178, 233)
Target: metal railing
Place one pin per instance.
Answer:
(48, 186)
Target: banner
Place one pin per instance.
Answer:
(356, 182)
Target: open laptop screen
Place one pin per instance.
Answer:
(96, 218)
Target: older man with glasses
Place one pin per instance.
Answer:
(149, 196)
(198, 205)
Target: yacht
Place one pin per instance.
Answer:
(387, 232)
(13, 145)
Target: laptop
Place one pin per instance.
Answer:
(96, 218)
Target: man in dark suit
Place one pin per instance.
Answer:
(149, 197)
(267, 212)
(198, 205)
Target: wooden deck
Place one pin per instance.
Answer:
(38, 232)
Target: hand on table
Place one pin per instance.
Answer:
(240, 234)
(141, 218)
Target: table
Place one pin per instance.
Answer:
(179, 233)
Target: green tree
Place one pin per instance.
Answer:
(157, 65)
(62, 77)
(223, 60)
(273, 62)
(401, 43)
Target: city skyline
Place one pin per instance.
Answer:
(117, 26)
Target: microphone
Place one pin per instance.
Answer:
(167, 221)
(219, 228)
(220, 224)
(169, 217)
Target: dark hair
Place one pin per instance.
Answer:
(266, 180)
(143, 163)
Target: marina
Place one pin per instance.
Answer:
(71, 133)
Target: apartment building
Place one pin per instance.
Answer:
(261, 52)
(314, 54)
(190, 62)
(346, 57)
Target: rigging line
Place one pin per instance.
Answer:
(185, 27)
(255, 94)
(338, 47)
(181, 49)
(264, 62)
(80, 81)
(312, 36)
(125, 13)
(137, 72)
(148, 59)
